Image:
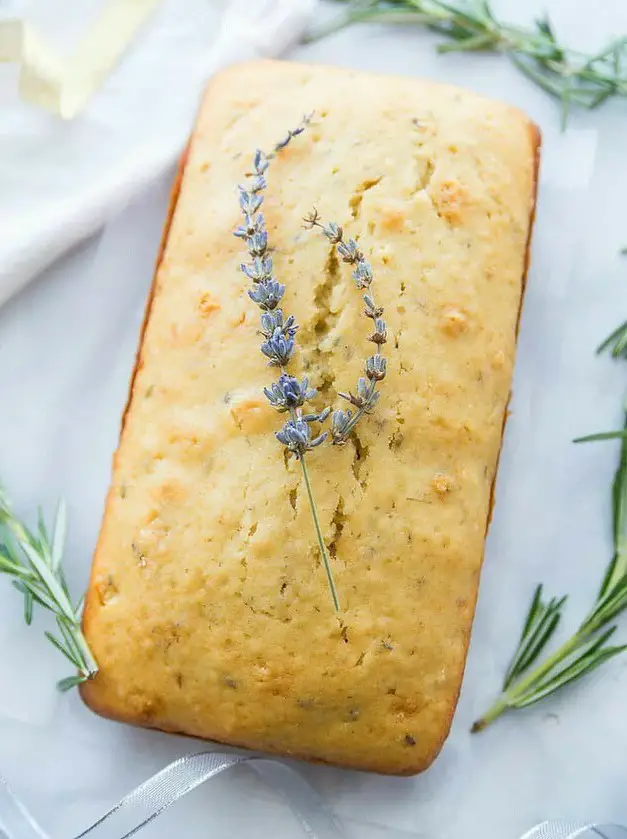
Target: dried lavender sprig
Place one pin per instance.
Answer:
(367, 395)
(287, 394)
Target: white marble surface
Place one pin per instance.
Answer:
(66, 349)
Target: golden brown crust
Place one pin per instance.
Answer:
(174, 195)
(124, 573)
(535, 138)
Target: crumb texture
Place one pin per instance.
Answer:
(208, 609)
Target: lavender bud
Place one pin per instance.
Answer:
(279, 348)
(317, 441)
(296, 436)
(270, 321)
(363, 274)
(363, 389)
(333, 232)
(283, 143)
(261, 162)
(324, 414)
(290, 327)
(349, 251)
(376, 368)
(380, 334)
(252, 225)
(321, 417)
(339, 426)
(257, 243)
(259, 270)
(267, 295)
(372, 310)
(258, 184)
(288, 392)
(274, 320)
(248, 202)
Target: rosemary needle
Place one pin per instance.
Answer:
(617, 341)
(33, 561)
(572, 77)
(588, 648)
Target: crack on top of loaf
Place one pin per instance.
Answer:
(354, 202)
(338, 522)
(322, 296)
(424, 127)
(396, 439)
(323, 323)
(256, 610)
(364, 654)
(245, 531)
(425, 164)
(360, 659)
(359, 459)
(423, 176)
(427, 174)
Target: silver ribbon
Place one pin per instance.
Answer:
(165, 788)
(15, 821)
(568, 830)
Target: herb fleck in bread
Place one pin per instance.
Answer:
(208, 611)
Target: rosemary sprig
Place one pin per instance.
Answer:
(588, 648)
(33, 561)
(570, 76)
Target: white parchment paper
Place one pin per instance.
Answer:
(66, 350)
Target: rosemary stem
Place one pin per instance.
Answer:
(91, 665)
(323, 549)
(493, 713)
(337, 23)
(619, 570)
(509, 698)
(16, 527)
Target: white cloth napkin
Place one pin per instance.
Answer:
(60, 181)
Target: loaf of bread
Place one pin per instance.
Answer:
(208, 609)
